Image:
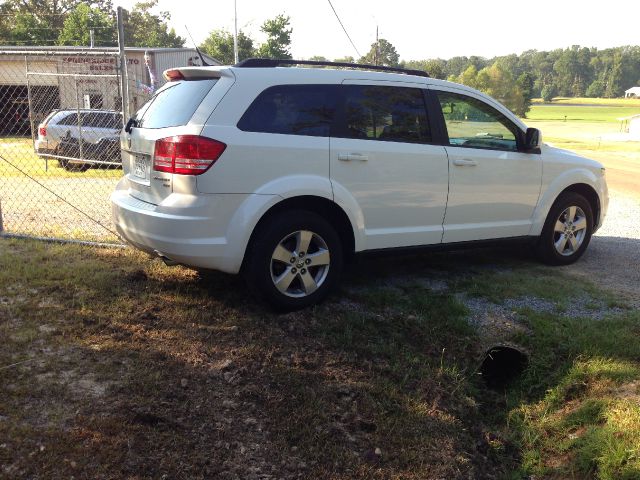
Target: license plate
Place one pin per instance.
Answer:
(141, 166)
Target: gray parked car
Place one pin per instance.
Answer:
(81, 138)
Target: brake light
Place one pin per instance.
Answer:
(42, 131)
(186, 154)
(173, 75)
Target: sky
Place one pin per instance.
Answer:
(418, 29)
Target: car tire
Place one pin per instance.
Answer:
(294, 260)
(567, 231)
(73, 167)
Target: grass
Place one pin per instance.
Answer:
(582, 113)
(18, 152)
(620, 102)
(136, 370)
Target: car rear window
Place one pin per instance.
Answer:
(292, 110)
(174, 105)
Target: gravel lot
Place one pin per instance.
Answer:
(30, 209)
(613, 257)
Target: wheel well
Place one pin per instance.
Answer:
(325, 208)
(592, 197)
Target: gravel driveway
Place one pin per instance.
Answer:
(613, 257)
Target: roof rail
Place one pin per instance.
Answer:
(272, 63)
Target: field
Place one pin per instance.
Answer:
(115, 366)
(592, 128)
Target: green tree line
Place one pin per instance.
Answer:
(570, 72)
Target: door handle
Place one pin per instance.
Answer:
(347, 157)
(465, 162)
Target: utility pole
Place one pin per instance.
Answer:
(124, 77)
(235, 31)
(91, 37)
(377, 45)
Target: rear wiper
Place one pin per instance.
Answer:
(131, 124)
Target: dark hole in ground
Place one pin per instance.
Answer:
(502, 365)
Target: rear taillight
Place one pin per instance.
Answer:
(42, 131)
(186, 154)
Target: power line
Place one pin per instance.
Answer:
(345, 30)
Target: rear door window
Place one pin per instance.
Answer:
(292, 110)
(174, 105)
(392, 114)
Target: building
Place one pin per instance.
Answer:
(36, 80)
(632, 92)
(634, 127)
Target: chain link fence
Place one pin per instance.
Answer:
(60, 119)
(61, 113)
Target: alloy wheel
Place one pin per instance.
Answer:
(300, 263)
(569, 230)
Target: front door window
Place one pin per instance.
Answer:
(474, 124)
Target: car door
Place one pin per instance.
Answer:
(493, 185)
(382, 154)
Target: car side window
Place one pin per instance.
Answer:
(71, 119)
(91, 119)
(292, 110)
(472, 123)
(392, 114)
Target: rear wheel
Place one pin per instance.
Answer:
(73, 167)
(294, 260)
(567, 230)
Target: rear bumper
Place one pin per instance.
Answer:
(202, 231)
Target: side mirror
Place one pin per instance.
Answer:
(532, 140)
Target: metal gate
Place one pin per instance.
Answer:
(60, 119)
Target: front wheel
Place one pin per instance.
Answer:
(567, 230)
(294, 260)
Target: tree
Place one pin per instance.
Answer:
(497, 82)
(346, 59)
(525, 84)
(219, 45)
(596, 89)
(39, 22)
(434, 67)
(548, 92)
(77, 26)
(382, 53)
(278, 38)
(614, 88)
(143, 28)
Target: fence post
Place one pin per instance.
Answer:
(124, 76)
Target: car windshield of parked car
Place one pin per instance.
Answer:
(472, 123)
(393, 114)
(174, 105)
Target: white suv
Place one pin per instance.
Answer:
(281, 174)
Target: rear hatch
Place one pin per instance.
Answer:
(176, 112)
